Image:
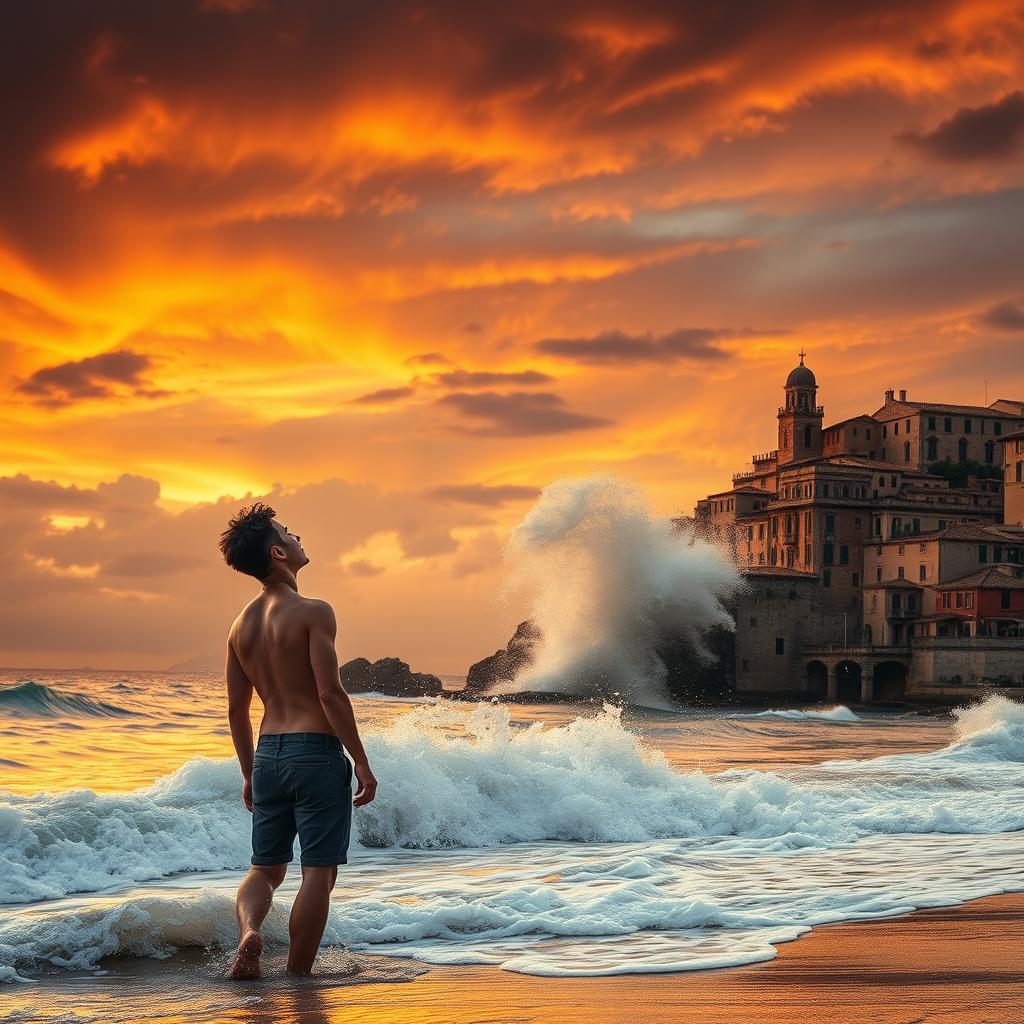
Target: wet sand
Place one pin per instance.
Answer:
(962, 965)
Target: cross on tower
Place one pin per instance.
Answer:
(801, 353)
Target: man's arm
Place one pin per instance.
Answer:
(323, 628)
(239, 702)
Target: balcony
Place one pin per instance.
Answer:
(813, 410)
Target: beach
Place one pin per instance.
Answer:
(957, 965)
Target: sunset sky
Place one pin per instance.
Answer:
(395, 267)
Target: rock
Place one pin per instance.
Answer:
(388, 675)
(503, 665)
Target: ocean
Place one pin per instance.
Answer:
(552, 840)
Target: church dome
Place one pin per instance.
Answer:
(800, 376)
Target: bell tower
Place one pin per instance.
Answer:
(800, 418)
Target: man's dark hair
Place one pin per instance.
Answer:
(245, 544)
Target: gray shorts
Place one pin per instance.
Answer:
(301, 784)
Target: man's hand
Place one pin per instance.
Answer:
(247, 793)
(367, 784)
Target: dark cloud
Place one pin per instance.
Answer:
(518, 414)
(474, 327)
(384, 396)
(489, 378)
(428, 359)
(102, 376)
(1004, 316)
(992, 131)
(619, 347)
(483, 494)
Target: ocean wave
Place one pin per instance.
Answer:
(841, 713)
(463, 776)
(34, 700)
(559, 910)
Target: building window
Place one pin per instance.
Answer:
(780, 645)
(947, 424)
(830, 523)
(878, 574)
(922, 572)
(895, 429)
(945, 599)
(982, 552)
(885, 430)
(867, 434)
(959, 599)
(969, 599)
(791, 595)
(997, 552)
(827, 555)
(906, 451)
(908, 426)
(899, 573)
(826, 578)
(745, 664)
(902, 549)
(896, 603)
(968, 426)
(962, 449)
(753, 620)
(856, 579)
(807, 554)
(997, 428)
(807, 435)
(856, 522)
(824, 491)
(931, 422)
(990, 452)
(1004, 599)
(844, 554)
(933, 449)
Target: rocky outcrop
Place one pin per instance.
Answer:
(388, 675)
(503, 665)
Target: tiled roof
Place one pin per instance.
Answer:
(992, 578)
(958, 531)
(777, 570)
(893, 583)
(1012, 437)
(974, 410)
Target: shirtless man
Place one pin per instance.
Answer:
(298, 779)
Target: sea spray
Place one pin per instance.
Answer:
(607, 585)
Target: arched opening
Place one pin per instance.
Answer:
(807, 435)
(890, 678)
(817, 680)
(848, 682)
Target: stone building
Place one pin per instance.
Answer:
(1013, 477)
(843, 536)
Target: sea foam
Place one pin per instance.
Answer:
(463, 776)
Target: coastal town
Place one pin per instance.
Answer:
(883, 554)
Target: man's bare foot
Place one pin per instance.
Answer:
(247, 961)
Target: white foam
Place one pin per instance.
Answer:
(841, 713)
(606, 584)
(463, 776)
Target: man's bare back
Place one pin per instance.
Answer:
(270, 638)
(297, 781)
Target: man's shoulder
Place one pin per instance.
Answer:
(316, 609)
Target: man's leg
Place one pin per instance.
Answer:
(255, 895)
(309, 917)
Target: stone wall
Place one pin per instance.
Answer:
(941, 662)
